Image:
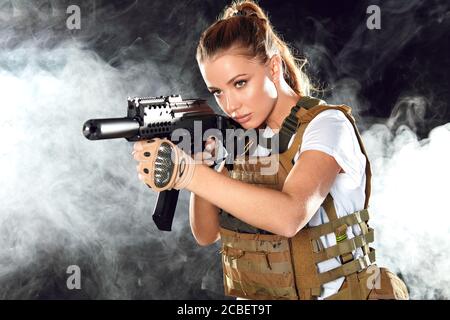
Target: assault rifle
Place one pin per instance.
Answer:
(159, 117)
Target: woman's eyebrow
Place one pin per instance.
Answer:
(231, 80)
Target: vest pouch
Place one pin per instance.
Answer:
(372, 283)
(257, 266)
(389, 287)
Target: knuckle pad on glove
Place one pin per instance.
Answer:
(161, 176)
(157, 165)
(163, 166)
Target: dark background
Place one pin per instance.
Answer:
(395, 75)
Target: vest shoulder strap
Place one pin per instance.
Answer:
(290, 124)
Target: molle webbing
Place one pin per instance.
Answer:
(257, 266)
(261, 266)
(307, 251)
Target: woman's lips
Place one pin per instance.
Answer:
(244, 118)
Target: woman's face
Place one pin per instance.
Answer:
(241, 87)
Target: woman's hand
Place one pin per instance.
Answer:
(162, 165)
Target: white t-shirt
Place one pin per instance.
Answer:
(331, 132)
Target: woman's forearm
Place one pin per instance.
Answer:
(264, 208)
(204, 220)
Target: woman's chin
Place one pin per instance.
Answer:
(248, 126)
(252, 125)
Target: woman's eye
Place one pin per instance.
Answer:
(237, 84)
(240, 83)
(216, 93)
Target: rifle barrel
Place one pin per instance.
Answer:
(97, 129)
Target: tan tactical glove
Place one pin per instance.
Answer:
(162, 165)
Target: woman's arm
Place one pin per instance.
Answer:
(280, 212)
(204, 217)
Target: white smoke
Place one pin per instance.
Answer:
(61, 191)
(408, 203)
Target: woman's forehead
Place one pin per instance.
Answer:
(222, 67)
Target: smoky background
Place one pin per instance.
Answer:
(69, 201)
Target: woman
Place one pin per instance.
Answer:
(300, 233)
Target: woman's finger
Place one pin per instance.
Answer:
(210, 146)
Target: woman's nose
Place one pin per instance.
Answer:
(232, 105)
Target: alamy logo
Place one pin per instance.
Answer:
(74, 20)
(74, 280)
(374, 20)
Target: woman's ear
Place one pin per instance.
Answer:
(275, 68)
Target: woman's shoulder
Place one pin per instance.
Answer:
(332, 125)
(333, 133)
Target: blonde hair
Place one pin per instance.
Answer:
(244, 24)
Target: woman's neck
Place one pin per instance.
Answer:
(286, 100)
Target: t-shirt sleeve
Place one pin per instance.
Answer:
(331, 132)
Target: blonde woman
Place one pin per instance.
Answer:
(302, 232)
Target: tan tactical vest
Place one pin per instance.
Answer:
(260, 265)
